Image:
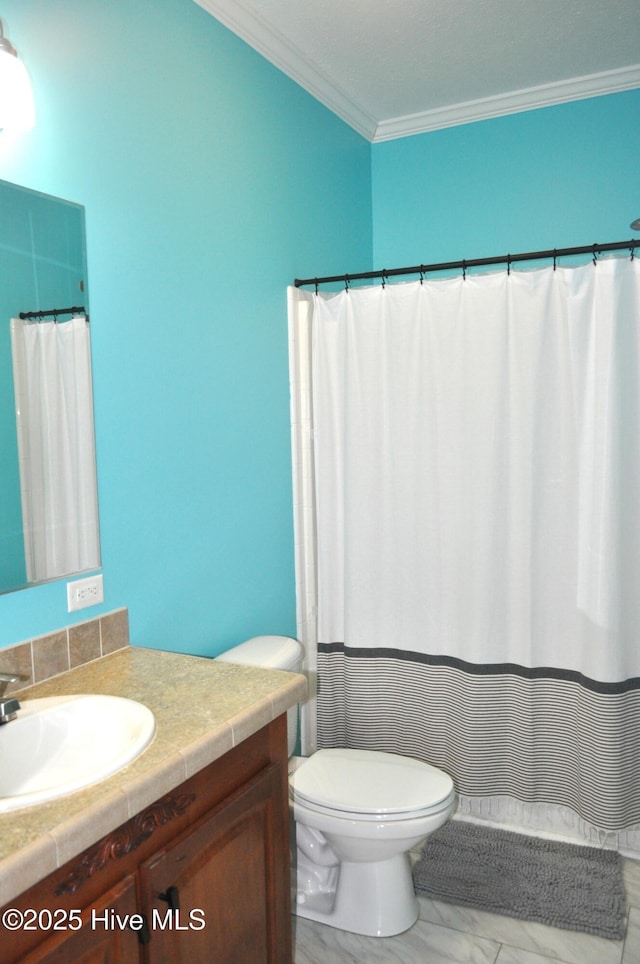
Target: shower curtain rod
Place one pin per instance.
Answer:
(421, 269)
(52, 313)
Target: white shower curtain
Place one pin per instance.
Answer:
(474, 520)
(54, 412)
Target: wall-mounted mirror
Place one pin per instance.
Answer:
(48, 492)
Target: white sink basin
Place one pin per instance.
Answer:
(64, 743)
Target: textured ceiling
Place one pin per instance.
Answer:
(395, 67)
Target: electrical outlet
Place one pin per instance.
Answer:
(85, 592)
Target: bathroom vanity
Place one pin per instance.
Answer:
(182, 856)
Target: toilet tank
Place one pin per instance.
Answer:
(271, 652)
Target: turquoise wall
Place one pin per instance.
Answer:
(210, 180)
(555, 177)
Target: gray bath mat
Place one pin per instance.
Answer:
(551, 882)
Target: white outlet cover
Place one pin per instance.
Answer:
(85, 592)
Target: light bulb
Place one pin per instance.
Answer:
(17, 110)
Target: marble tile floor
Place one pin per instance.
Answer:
(445, 934)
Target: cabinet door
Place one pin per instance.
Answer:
(104, 937)
(220, 892)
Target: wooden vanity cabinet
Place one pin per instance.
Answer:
(201, 875)
(219, 874)
(92, 945)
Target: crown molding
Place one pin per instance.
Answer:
(274, 46)
(578, 88)
(260, 35)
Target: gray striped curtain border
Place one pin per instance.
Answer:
(541, 735)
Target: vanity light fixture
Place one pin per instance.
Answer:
(17, 111)
(635, 225)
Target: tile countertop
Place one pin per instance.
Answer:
(203, 708)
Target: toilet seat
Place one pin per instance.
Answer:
(370, 785)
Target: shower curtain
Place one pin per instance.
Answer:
(56, 448)
(466, 473)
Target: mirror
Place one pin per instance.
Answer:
(43, 266)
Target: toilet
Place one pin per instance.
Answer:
(357, 814)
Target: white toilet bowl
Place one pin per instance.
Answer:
(366, 809)
(357, 814)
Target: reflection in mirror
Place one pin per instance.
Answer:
(48, 497)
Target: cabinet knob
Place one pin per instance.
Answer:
(172, 897)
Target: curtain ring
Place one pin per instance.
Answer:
(508, 265)
(464, 270)
(384, 276)
(346, 282)
(316, 283)
(555, 258)
(633, 251)
(595, 254)
(421, 274)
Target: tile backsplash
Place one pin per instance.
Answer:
(46, 656)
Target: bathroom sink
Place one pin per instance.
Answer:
(64, 743)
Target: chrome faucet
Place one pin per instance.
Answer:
(9, 706)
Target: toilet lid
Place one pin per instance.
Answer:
(369, 782)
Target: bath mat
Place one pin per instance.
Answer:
(547, 881)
